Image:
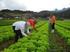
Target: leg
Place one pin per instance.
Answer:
(20, 34)
(16, 37)
(53, 27)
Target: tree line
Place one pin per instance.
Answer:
(61, 14)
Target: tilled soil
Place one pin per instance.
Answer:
(57, 43)
(6, 44)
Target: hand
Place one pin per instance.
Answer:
(25, 35)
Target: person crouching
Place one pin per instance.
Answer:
(20, 29)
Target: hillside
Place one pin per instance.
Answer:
(6, 13)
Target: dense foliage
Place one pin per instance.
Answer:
(36, 41)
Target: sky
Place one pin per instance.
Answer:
(34, 5)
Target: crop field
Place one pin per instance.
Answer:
(41, 41)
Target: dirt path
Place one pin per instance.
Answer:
(6, 44)
(57, 43)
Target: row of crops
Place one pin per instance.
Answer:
(36, 41)
(6, 22)
(63, 30)
(6, 32)
(65, 24)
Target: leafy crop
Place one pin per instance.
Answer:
(35, 42)
(64, 32)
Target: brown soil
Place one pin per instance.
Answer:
(57, 43)
(6, 44)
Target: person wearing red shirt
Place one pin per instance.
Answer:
(32, 23)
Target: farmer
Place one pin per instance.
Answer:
(20, 29)
(52, 21)
(32, 23)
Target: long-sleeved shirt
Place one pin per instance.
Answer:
(21, 25)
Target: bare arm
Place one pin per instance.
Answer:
(23, 32)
